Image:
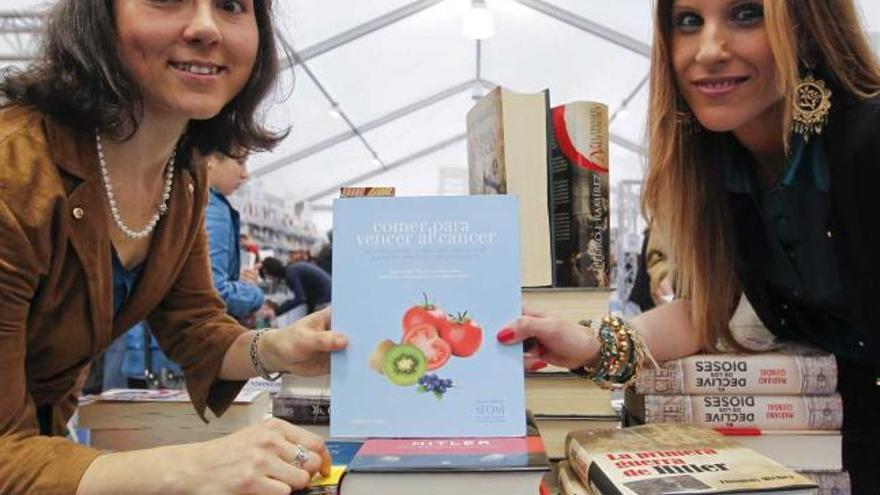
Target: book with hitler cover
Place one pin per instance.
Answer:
(507, 134)
(676, 459)
(771, 373)
(485, 465)
(421, 284)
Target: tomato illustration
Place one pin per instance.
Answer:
(423, 313)
(463, 334)
(425, 337)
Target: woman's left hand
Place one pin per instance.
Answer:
(302, 348)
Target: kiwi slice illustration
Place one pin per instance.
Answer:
(404, 364)
(377, 358)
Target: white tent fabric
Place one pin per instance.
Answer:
(379, 58)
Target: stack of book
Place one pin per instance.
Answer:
(781, 404)
(132, 419)
(561, 401)
(671, 458)
(305, 402)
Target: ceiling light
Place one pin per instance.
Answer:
(335, 111)
(623, 113)
(376, 161)
(478, 23)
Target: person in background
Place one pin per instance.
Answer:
(248, 245)
(764, 184)
(311, 286)
(102, 208)
(324, 259)
(653, 285)
(236, 284)
(297, 255)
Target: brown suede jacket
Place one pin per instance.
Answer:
(56, 311)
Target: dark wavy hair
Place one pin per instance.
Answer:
(80, 80)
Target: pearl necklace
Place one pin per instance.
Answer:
(111, 199)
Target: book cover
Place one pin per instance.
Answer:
(507, 134)
(767, 374)
(421, 285)
(675, 459)
(767, 412)
(579, 195)
(390, 455)
(342, 453)
(486, 465)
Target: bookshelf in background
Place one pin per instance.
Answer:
(273, 222)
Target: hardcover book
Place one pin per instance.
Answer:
(801, 450)
(167, 408)
(299, 409)
(500, 465)
(676, 459)
(579, 195)
(421, 286)
(569, 482)
(507, 134)
(766, 374)
(768, 412)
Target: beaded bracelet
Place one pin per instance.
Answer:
(255, 359)
(621, 355)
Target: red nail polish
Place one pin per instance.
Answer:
(505, 335)
(538, 365)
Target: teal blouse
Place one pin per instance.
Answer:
(800, 266)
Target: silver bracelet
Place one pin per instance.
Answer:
(258, 365)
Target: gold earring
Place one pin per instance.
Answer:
(812, 102)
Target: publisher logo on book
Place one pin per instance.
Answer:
(489, 411)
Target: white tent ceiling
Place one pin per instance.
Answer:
(404, 77)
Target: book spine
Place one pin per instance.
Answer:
(767, 374)
(782, 412)
(579, 197)
(590, 474)
(297, 410)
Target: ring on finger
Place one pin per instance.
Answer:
(302, 456)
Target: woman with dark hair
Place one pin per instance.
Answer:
(764, 160)
(101, 226)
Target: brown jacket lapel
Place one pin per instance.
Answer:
(88, 233)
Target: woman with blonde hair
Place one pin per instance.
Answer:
(764, 158)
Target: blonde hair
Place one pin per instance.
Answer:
(684, 191)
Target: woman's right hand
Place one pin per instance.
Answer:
(259, 459)
(551, 341)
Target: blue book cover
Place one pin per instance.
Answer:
(421, 286)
